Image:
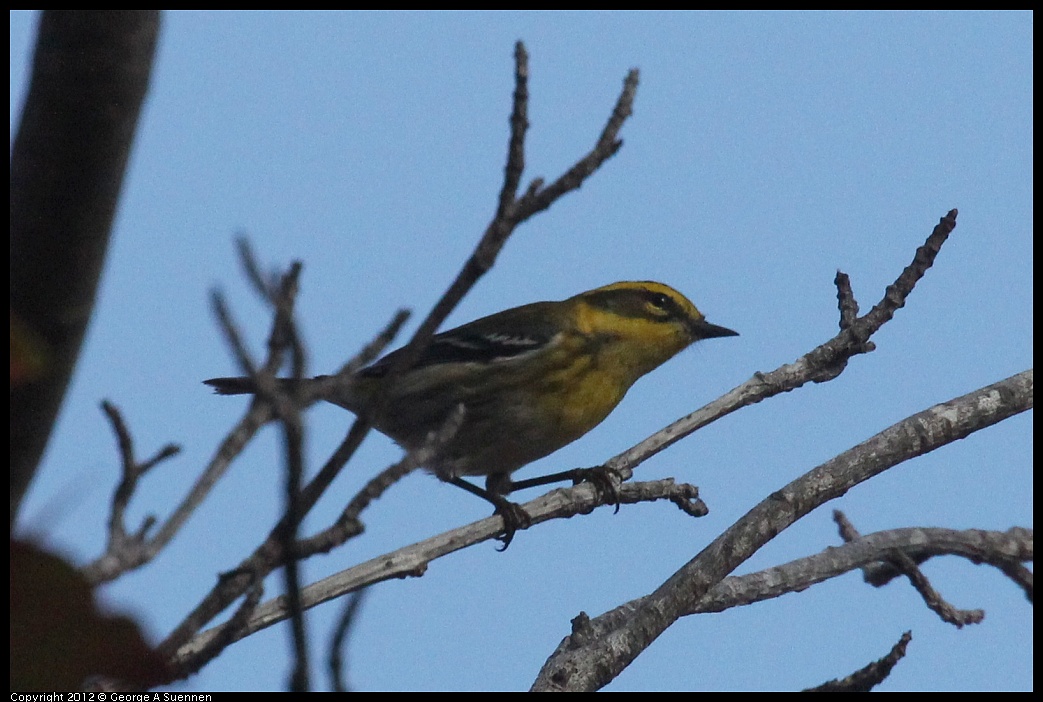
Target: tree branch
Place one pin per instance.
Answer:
(412, 561)
(867, 678)
(593, 665)
(510, 213)
(90, 74)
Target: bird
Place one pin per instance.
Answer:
(529, 380)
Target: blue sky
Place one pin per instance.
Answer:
(766, 151)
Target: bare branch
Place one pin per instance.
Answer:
(233, 337)
(284, 329)
(867, 678)
(510, 212)
(908, 567)
(134, 553)
(90, 73)
(287, 407)
(592, 666)
(341, 633)
(349, 524)
(217, 643)
(123, 547)
(992, 547)
(538, 199)
(412, 561)
(995, 548)
(566, 502)
(519, 125)
(265, 285)
(818, 365)
(846, 301)
(269, 555)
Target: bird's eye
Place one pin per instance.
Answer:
(660, 300)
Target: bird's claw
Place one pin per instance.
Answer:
(605, 481)
(514, 518)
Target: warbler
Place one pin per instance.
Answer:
(531, 379)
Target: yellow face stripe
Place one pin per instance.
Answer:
(645, 300)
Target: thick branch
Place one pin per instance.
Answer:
(593, 665)
(90, 74)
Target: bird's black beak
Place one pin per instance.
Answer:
(705, 330)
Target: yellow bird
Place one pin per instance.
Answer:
(531, 379)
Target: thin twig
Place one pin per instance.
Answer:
(349, 524)
(818, 365)
(846, 301)
(266, 286)
(134, 553)
(341, 632)
(233, 337)
(538, 199)
(908, 567)
(269, 554)
(287, 407)
(253, 591)
(867, 678)
(519, 125)
(123, 547)
(373, 349)
(283, 335)
(510, 212)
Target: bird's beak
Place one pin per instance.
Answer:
(705, 330)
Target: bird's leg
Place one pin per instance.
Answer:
(514, 517)
(604, 479)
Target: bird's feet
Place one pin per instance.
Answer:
(514, 518)
(604, 479)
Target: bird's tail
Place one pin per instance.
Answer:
(332, 388)
(241, 386)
